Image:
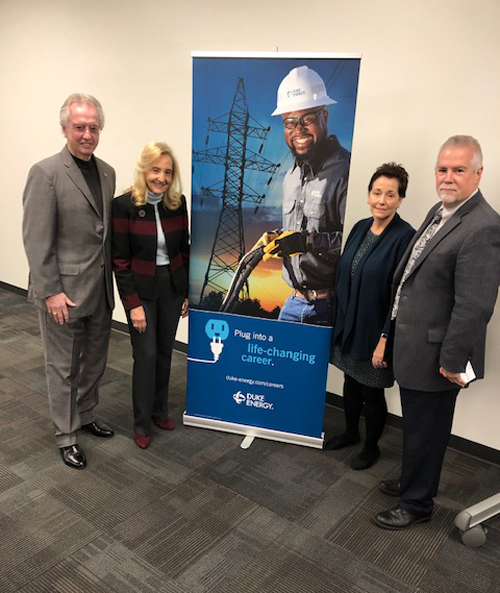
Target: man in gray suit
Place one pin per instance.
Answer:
(444, 291)
(66, 232)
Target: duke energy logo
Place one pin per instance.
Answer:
(295, 93)
(238, 397)
(252, 399)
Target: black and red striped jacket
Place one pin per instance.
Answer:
(134, 248)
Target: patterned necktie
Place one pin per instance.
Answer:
(417, 250)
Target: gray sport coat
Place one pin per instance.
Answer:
(448, 299)
(67, 242)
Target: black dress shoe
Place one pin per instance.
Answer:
(73, 456)
(390, 487)
(397, 518)
(98, 430)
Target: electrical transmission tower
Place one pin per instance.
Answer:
(229, 243)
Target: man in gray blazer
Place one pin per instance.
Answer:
(444, 291)
(66, 232)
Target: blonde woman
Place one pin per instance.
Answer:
(150, 261)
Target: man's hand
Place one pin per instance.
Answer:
(138, 318)
(453, 377)
(185, 308)
(57, 307)
(265, 239)
(288, 243)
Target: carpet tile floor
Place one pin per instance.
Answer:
(195, 513)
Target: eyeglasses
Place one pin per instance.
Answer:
(291, 123)
(80, 128)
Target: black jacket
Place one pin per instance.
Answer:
(362, 305)
(135, 241)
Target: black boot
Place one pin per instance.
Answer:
(340, 441)
(365, 459)
(353, 404)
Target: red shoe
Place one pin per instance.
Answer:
(141, 441)
(167, 424)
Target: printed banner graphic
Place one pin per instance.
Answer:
(257, 372)
(272, 140)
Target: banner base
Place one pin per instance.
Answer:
(254, 431)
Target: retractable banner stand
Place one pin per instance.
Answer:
(272, 137)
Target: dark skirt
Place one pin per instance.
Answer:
(362, 370)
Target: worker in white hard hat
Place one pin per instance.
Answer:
(314, 198)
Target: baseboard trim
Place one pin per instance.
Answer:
(458, 443)
(14, 289)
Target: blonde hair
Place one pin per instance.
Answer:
(139, 189)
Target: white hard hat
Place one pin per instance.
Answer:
(301, 88)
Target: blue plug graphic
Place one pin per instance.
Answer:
(217, 330)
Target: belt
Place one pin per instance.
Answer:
(314, 295)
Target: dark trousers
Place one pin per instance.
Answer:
(427, 421)
(152, 352)
(357, 396)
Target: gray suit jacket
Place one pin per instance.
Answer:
(67, 242)
(448, 299)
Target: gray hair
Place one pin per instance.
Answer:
(461, 140)
(80, 98)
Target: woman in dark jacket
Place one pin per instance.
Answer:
(150, 260)
(363, 288)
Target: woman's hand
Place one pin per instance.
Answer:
(138, 318)
(185, 308)
(378, 355)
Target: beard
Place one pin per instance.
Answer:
(313, 154)
(305, 157)
(449, 198)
